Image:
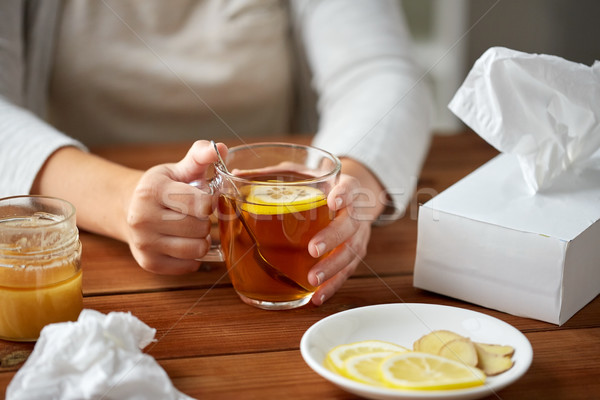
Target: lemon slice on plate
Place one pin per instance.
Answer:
(365, 368)
(278, 199)
(423, 371)
(337, 356)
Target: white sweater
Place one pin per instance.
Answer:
(371, 102)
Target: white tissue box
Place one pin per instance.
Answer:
(488, 240)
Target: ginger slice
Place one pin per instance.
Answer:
(502, 350)
(432, 342)
(492, 359)
(492, 363)
(462, 350)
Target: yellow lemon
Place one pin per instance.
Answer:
(423, 371)
(365, 368)
(338, 355)
(281, 199)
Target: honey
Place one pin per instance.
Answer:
(40, 265)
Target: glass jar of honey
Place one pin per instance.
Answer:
(40, 265)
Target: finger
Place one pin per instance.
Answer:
(351, 251)
(156, 191)
(165, 265)
(186, 216)
(171, 246)
(183, 248)
(329, 288)
(343, 192)
(185, 199)
(332, 264)
(171, 223)
(337, 232)
(196, 161)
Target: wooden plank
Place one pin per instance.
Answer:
(109, 268)
(273, 375)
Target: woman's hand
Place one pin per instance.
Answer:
(347, 236)
(167, 218)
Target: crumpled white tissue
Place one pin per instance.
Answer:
(542, 108)
(97, 357)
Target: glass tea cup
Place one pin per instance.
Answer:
(40, 265)
(272, 199)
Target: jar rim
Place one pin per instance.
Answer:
(68, 206)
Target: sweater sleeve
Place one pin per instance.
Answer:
(373, 103)
(26, 141)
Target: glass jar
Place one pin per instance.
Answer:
(40, 265)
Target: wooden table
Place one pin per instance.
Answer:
(215, 347)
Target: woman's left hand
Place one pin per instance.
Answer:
(347, 236)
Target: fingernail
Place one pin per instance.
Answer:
(322, 298)
(320, 248)
(320, 277)
(338, 202)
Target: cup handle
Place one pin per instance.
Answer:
(215, 252)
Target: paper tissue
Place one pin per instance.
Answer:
(522, 233)
(97, 357)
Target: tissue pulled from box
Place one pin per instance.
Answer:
(97, 357)
(541, 108)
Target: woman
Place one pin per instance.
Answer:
(77, 73)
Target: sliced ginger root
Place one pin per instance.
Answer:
(492, 359)
(501, 350)
(434, 341)
(461, 350)
(492, 363)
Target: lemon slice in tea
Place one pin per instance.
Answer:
(338, 355)
(423, 371)
(280, 199)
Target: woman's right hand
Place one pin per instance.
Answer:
(168, 223)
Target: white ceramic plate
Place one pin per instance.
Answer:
(403, 324)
